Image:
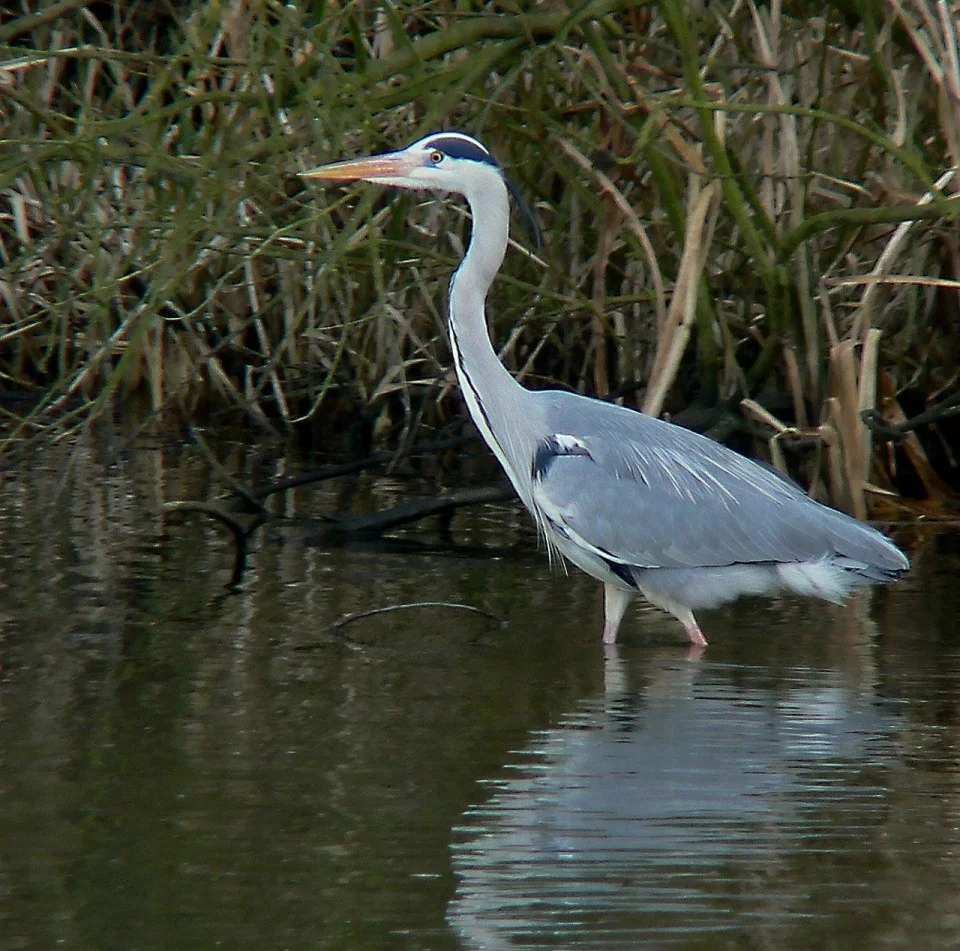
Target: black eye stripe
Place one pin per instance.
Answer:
(462, 148)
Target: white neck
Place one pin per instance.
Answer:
(495, 400)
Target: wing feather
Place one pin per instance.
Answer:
(649, 494)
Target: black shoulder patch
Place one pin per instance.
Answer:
(543, 459)
(551, 448)
(458, 145)
(622, 572)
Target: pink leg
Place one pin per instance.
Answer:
(694, 633)
(681, 612)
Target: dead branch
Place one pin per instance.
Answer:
(367, 526)
(886, 431)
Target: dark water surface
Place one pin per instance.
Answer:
(185, 768)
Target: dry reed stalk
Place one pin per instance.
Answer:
(763, 416)
(867, 393)
(785, 202)
(780, 429)
(847, 423)
(777, 458)
(766, 33)
(153, 355)
(933, 485)
(724, 38)
(835, 469)
(701, 222)
(795, 384)
(524, 371)
(254, 296)
(839, 475)
(598, 326)
(826, 316)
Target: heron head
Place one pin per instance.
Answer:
(448, 161)
(445, 160)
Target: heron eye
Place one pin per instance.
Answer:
(436, 156)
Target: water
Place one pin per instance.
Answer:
(183, 767)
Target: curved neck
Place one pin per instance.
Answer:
(493, 396)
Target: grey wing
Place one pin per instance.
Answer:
(637, 491)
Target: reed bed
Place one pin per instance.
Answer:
(750, 209)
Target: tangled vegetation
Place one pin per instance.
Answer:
(748, 208)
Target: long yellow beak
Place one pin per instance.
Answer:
(375, 168)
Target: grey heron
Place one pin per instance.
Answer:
(642, 505)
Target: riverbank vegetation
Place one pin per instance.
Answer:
(749, 216)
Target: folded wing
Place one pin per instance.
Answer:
(640, 492)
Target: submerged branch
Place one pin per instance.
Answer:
(383, 458)
(453, 605)
(241, 529)
(407, 512)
